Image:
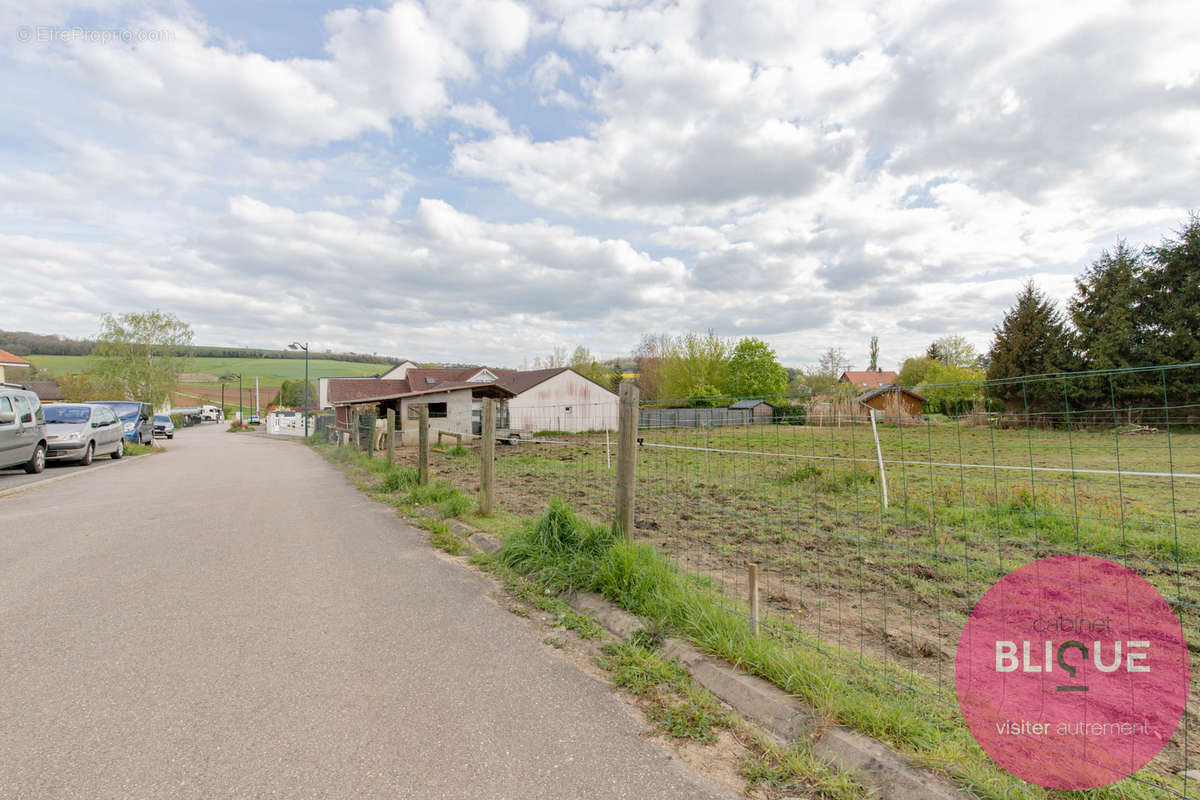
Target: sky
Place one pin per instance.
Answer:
(486, 180)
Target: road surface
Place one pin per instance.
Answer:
(231, 619)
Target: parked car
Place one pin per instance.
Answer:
(82, 431)
(138, 419)
(163, 426)
(22, 429)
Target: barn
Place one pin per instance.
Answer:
(896, 403)
(761, 412)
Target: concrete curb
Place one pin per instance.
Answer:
(879, 768)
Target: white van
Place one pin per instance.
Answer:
(210, 413)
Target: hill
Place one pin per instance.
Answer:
(270, 371)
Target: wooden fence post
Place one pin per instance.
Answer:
(626, 458)
(487, 456)
(423, 446)
(391, 436)
(355, 428)
(752, 574)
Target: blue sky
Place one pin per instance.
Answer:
(487, 180)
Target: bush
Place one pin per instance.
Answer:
(791, 413)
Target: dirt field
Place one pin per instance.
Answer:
(884, 586)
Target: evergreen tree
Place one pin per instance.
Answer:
(1105, 310)
(1172, 312)
(1031, 340)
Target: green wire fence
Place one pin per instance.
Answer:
(876, 530)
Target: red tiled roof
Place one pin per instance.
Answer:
(869, 380)
(349, 390)
(7, 359)
(520, 382)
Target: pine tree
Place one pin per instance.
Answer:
(1105, 310)
(1172, 310)
(1031, 340)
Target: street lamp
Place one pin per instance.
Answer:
(241, 416)
(304, 347)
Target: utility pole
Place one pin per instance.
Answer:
(304, 347)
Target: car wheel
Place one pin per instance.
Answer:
(36, 462)
(87, 454)
(120, 451)
(170, 436)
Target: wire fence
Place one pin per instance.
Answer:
(875, 531)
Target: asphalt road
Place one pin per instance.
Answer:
(231, 619)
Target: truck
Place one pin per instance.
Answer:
(210, 414)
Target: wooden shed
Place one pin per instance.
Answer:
(761, 412)
(896, 402)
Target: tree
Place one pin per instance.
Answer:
(291, 394)
(586, 365)
(1105, 310)
(915, 369)
(696, 362)
(557, 358)
(874, 353)
(140, 356)
(77, 388)
(1031, 340)
(649, 359)
(953, 351)
(951, 389)
(754, 371)
(833, 363)
(1172, 303)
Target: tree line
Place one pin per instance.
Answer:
(25, 343)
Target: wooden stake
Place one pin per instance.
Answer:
(487, 456)
(626, 459)
(391, 436)
(423, 446)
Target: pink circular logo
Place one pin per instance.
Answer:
(1072, 672)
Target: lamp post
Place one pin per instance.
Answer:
(241, 416)
(304, 347)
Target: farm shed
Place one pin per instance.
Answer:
(449, 402)
(47, 391)
(761, 412)
(558, 399)
(7, 359)
(895, 402)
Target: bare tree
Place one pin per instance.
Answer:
(874, 354)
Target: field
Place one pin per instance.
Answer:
(268, 370)
(887, 588)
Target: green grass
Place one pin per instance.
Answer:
(268, 370)
(132, 449)
(561, 551)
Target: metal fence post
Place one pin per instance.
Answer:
(487, 456)
(626, 458)
(391, 436)
(423, 446)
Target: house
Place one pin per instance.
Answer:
(7, 359)
(869, 379)
(557, 399)
(47, 391)
(761, 412)
(397, 372)
(895, 402)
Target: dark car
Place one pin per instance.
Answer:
(137, 418)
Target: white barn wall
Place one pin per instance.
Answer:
(544, 407)
(457, 419)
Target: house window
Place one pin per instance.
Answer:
(437, 410)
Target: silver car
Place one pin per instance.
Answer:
(22, 430)
(81, 431)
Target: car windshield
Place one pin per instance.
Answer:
(125, 410)
(67, 414)
(161, 418)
